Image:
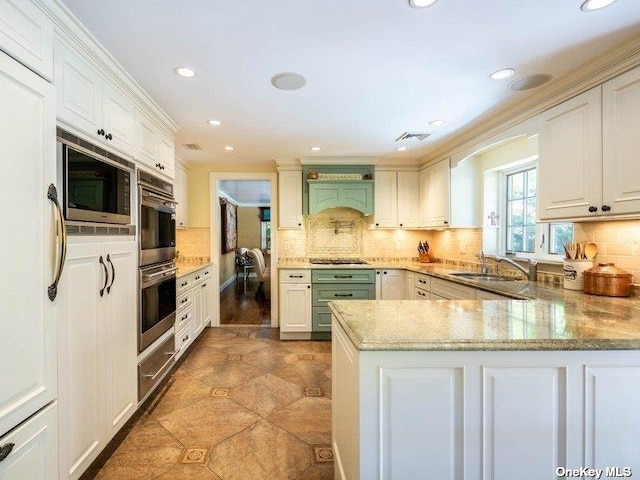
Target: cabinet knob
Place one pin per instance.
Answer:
(108, 136)
(377, 224)
(377, 272)
(606, 208)
(384, 273)
(593, 209)
(401, 224)
(308, 286)
(101, 132)
(299, 224)
(446, 222)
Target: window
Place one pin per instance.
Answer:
(265, 228)
(522, 235)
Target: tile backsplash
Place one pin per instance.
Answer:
(193, 242)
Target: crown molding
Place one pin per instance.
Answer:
(339, 160)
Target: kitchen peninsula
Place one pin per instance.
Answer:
(475, 389)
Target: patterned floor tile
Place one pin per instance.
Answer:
(262, 451)
(202, 356)
(183, 392)
(187, 472)
(318, 471)
(228, 374)
(268, 359)
(264, 395)
(240, 345)
(195, 455)
(304, 373)
(308, 419)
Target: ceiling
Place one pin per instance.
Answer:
(246, 193)
(375, 68)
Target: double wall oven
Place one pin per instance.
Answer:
(156, 277)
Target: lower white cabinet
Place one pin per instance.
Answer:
(450, 290)
(295, 301)
(97, 384)
(390, 284)
(34, 454)
(194, 306)
(202, 298)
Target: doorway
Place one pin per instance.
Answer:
(242, 299)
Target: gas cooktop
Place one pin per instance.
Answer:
(338, 261)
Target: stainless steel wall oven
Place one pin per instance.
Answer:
(157, 216)
(157, 303)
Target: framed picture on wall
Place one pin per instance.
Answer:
(229, 226)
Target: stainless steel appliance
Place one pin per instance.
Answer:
(157, 302)
(96, 184)
(157, 220)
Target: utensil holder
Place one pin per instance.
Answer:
(424, 258)
(574, 273)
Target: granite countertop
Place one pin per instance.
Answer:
(187, 268)
(592, 323)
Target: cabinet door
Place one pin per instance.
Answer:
(120, 335)
(181, 193)
(424, 177)
(147, 148)
(569, 166)
(621, 144)
(290, 199)
(167, 157)
(28, 348)
(408, 200)
(78, 89)
(81, 363)
(27, 34)
(118, 119)
(295, 307)
(386, 200)
(390, 284)
(438, 194)
(198, 309)
(207, 299)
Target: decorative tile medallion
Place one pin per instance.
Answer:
(242, 335)
(194, 455)
(322, 453)
(305, 356)
(219, 392)
(312, 392)
(234, 357)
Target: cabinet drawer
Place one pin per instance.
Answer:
(451, 291)
(154, 367)
(201, 275)
(322, 294)
(184, 315)
(183, 283)
(184, 300)
(422, 294)
(183, 339)
(423, 282)
(343, 275)
(295, 276)
(321, 319)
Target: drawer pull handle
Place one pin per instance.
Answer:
(184, 284)
(184, 300)
(423, 281)
(343, 294)
(295, 276)
(186, 338)
(5, 450)
(184, 317)
(343, 276)
(204, 285)
(421, 294)
(153, 376)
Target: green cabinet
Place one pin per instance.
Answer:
(356, 194)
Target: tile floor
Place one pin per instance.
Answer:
(242, 406)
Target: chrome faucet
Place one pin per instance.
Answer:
(483, 263)
(532, 273)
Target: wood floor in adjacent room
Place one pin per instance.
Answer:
(242, 406)
(238, 305)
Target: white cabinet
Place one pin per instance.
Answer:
(621, 144)
(295, 300)
(153, 148)
(484, 295)
(386, 199)
(194, 306)
(181, 193)
(34, 455)
(421, 287)
(290, 199)
(408, 199)
(28, 346)
(390, 284)
(409, 282)
(434, 193)
(27, 34)
(97, 335)
(451, 291)
(202, 305)
(89, 103)
(570, 161)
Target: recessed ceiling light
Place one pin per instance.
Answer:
(502, 74)
(315, 149)
(214, 123)
(530, 81)
(185, 72)
(289, 81)
(436, 123)
(229, 148)
(592, 5)
(421, 3)
(401, 149)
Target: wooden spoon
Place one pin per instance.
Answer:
(590, 250)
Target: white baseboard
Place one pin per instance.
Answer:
(228, 282)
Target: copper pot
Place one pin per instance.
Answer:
(608, 280)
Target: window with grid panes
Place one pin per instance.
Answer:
(521, 212)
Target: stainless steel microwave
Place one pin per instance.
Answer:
(96, 184)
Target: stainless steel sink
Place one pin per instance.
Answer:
(486, 277)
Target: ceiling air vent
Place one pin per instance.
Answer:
(193, 146)
(412, 136)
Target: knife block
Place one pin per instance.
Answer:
(424, 258)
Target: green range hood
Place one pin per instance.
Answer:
(356, 194)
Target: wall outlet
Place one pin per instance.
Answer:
(462, 246)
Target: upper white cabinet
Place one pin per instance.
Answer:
(386, 199)
(27, 35)
(621, 144)
(181, 193)
(589, 153)
(290, 199)
(153, 148)
(28, 345)
(89, 103)
(434, 192)
(408, 199)
(570, 160)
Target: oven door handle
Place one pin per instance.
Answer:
(157, 274)
(161, 200)
(153, 376)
